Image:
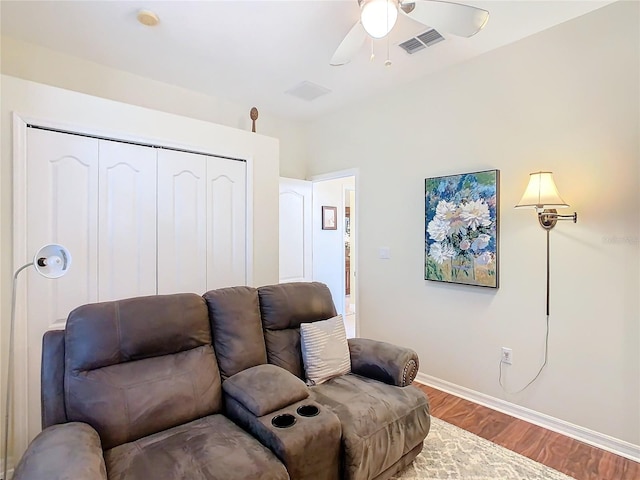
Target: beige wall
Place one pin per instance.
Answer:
(566, 100)
(39, 64)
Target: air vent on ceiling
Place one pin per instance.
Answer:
(426, 39)
(307, 91)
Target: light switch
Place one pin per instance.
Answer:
(384, 253)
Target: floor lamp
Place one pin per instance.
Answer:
(51, 261)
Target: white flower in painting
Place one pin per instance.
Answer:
(484, 259)
(481, 242)
(475, 214)
(465, 244)
(438, 229)
(441, 252)
(446, 210)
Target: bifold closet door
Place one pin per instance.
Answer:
(127, 220)
(182, 222)
(226, 223)
(61, 207)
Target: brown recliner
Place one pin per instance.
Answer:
(131, 390)
(383, 421)
(144, 388)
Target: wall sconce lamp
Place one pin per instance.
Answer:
(542, 194)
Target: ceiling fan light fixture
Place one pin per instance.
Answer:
(378, 16)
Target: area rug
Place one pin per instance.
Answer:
(451, 453)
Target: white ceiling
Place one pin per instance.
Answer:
(251, 52)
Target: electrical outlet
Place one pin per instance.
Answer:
(507, 356)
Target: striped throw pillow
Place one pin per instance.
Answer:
(325, 350)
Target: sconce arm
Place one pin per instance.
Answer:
(550, 216)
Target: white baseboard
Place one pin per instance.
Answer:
(596, 439)
(9, 472)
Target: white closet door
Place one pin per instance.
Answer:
(226, 225)
(62, 179)
(182, 222)
(127, 218)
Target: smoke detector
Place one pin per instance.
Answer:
(148, 18)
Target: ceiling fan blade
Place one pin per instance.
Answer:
(454, 18)
(349, 46)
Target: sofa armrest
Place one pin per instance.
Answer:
(69, 451)
(383, 361)
(265, 388)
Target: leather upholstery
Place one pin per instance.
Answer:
(264, 389)
(383, 361)
(108, 333)
(139, 366)
(234, 314)
(142, 375)
(52, 379)
(210, 448)
(283, 308)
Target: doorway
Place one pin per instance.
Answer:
(335, 249)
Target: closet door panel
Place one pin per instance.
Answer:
(127, 218)
(62, 174)
(61, 201)
(182, 222)
(226, 211)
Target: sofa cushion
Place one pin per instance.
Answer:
(283, 308)
(131, 400)
(380, 423)
(138, 366)
(265, 388)
(238, 341)
(102, 334)
(210, 448)
(325, 351)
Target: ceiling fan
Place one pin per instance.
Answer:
(377, 18)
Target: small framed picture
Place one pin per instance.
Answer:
(329, 218)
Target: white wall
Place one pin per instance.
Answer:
(33, 62)
(566, 100)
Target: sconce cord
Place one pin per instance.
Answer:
(546, 339)
(544, 364)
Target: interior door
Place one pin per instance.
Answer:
(127, 219)
(296, 252)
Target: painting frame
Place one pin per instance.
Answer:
(462, 228)
(329, 218)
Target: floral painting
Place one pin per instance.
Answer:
(461, 228)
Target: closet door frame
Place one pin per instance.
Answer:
(22, 424)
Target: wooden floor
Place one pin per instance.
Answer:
(574, 458)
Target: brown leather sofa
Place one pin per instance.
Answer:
(189, 387)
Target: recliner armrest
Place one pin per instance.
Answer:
(383, 361)
(63, 452)
(265, 388)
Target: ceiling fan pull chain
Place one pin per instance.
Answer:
(373, 55)
(387, 63)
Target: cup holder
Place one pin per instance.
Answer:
(285, 420)
(308, 410)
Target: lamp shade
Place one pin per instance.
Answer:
(52, 261)
(379, 16)
(541, 193)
